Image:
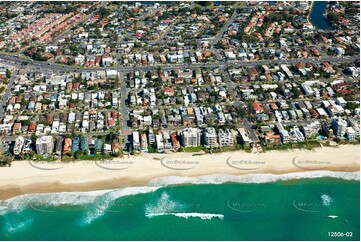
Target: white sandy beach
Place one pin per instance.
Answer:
(32, 177)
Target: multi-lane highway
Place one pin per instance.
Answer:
(16, 60)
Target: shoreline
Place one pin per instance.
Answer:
(25, 177)
(309, 15)
(310, 8)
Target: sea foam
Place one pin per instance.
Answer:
(251, 178)
(18, 226)
(326, 200)
(99, 208)
(52, 200)
(203, 216)
(165, 206)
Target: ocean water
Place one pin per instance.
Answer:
(252, 207)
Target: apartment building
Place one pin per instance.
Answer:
(191, 137)
(339, 126)
(136, 142)
(210, 137)
(225, 137)
(284, 133)
(44, 145)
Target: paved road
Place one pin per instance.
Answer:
(163, 34)
(217, 64)
(219, 35)
(231, 85)
(6, 95)
(124, 110)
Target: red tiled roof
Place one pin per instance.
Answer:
(32, 126)
(17, 126)
(257, 106)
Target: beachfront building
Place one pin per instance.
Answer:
(244, 136)
(144, 143)
(339, 126)
(27, 146)
(350, 133)
(210, 137)
(225, 137)
(160, 143)
(151, 137)
(175, 142)
(75, 145)
(326, 128)
(59, 146)
(284, 133)
(354, 124)
(44, 145)
(191, 137)
(84, 143)
(271, 137)
(136, 143)
(296, 135)
(67, 146)
(18, 147)
(166, 140)
(311, 129)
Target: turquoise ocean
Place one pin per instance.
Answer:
(215, 207)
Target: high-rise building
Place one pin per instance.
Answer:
(225, 137)
(210, 137)
(284, 133)
(44, 145)
(191, 137)
(144, 143)
(339, 126)
(136, 143)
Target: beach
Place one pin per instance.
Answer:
(25, 177)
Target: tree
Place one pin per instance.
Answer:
(332, 17)
(242, 112)
(77, 154)
(103, 12)
(8, 73)
(296, 93)
(25, 122)
(73, 47)
(5, 160)
(34, 137)
(337, 139)
(351, 105)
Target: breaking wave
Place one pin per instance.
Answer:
(251, 178)
(165, 206)
(203, 216)
(51, 202)
(18, 226)
(99, 208)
